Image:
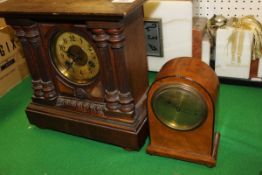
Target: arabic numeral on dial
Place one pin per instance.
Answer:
(93, 56)
(90, 49)
(62, 48)
(81, 41)
(91, 64)
(65, 40)
(62, 55)
(72, 38)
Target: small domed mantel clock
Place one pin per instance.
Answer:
(181, 112)
(88, 64)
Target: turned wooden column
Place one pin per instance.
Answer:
(29, 35)
(36, 80)
(111, 92)
(116, 40)
(33, 36)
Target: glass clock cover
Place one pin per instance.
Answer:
(179, 106)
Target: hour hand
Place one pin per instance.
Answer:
(77, 55)
(69, 64)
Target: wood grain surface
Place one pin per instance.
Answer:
(69, 7)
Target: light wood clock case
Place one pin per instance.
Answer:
(88, 64)
(181, 111)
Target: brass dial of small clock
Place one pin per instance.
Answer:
(179, 106)
(74, 57)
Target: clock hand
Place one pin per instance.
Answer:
(73, 59)
(77, 55)
(68, 64)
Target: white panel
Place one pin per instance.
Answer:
(206, 48)
(176, 29)
(259, 73)
(235, 64)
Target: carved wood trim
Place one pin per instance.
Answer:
(49, 90)
(37, 89)
(82, 105)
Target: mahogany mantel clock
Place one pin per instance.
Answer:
(181, 111)
(88, 65)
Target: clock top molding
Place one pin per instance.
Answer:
(69, 8)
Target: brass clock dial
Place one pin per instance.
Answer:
(179, 106)
(74, 57)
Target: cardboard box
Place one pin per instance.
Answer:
(13, 68)
(2, 23)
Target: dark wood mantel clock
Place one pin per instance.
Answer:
(88, 64)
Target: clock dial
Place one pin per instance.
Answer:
(75, 58)
(179, 106)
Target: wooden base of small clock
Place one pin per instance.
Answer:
(209, 160)
(129, 136)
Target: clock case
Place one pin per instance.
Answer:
(199, 144)
(111, 107)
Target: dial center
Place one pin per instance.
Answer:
(77, 54)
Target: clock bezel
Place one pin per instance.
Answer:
(189, 89)
(52, 53)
